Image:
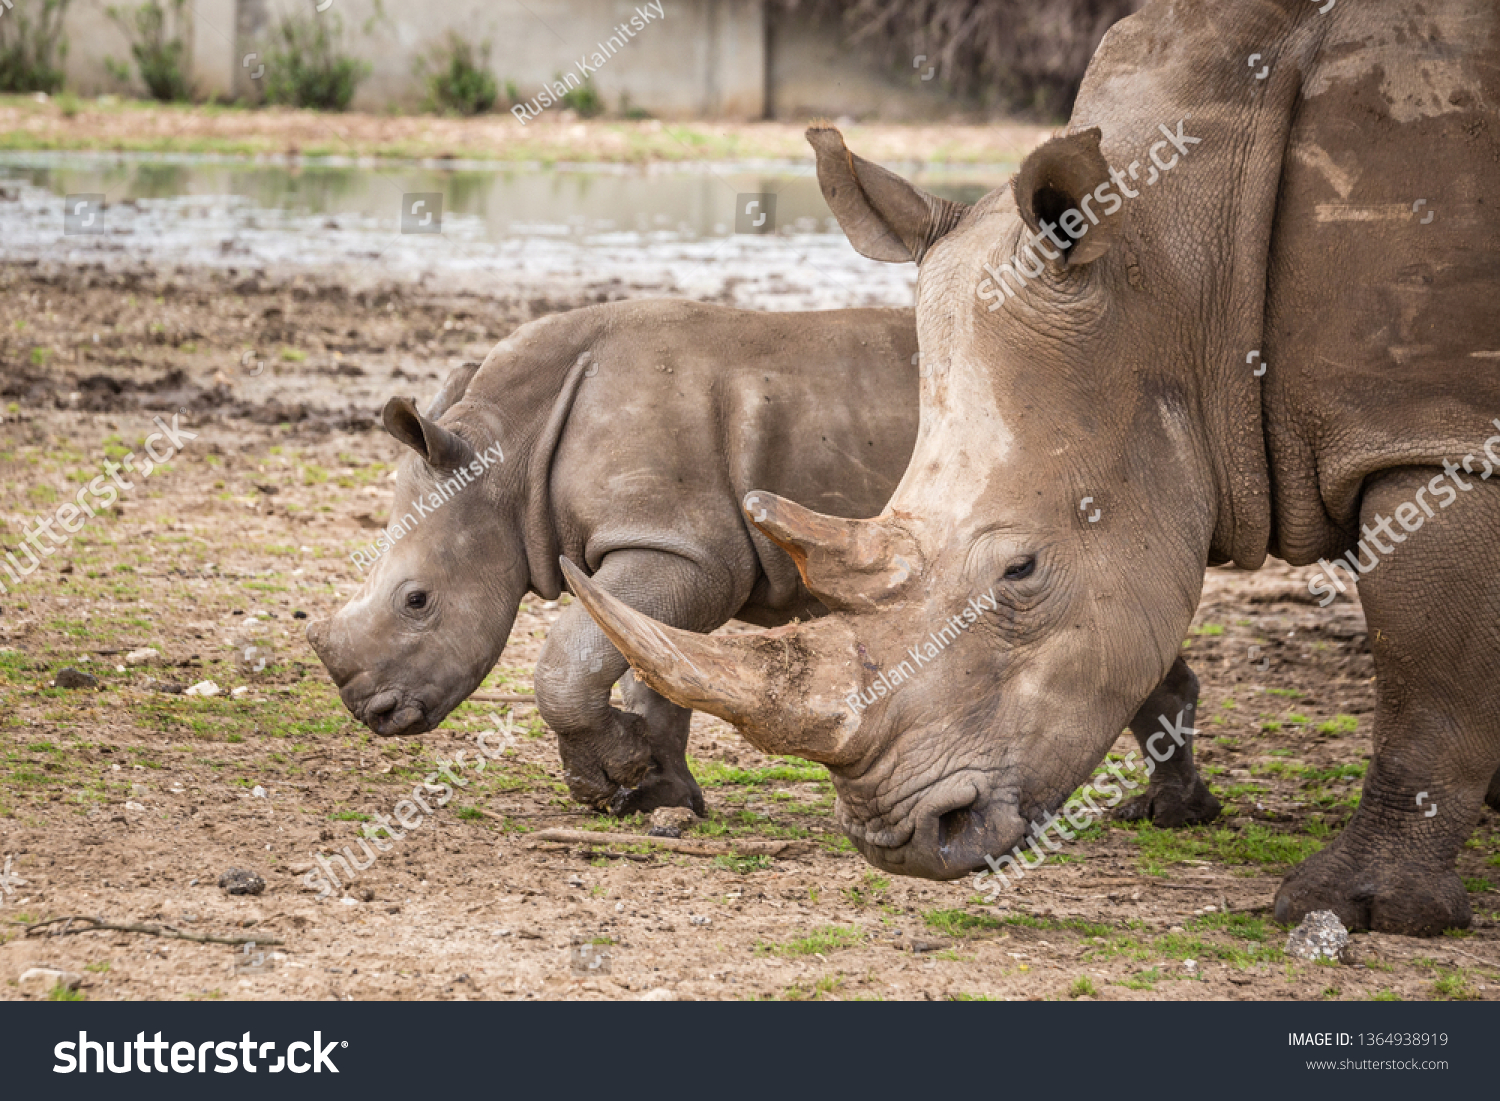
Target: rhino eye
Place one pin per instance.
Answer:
(416, 601)
(1021, 570)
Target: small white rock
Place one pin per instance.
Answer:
(238, 692)
(258, 792)
(146, 655)
(203, 688)
(660, 994)
(40, 981)
(134, 806)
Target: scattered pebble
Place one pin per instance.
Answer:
(146, 655)
(258, 792)
(204, 688)
(238, 881)
(1320, 936)
(41, 981)
(672, 818)
(238, 692)
(71, 678)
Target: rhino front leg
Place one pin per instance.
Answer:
(1433, 612)
(1177, 795)
(635, 759)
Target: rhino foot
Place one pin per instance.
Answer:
(1170, 806)
(1409, 899)
(662, 788)
(597, 766)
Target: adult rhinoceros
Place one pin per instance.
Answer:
(1269, 328)
(626, 436)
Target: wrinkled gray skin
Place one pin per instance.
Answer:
(1120, 373)
(630, 433)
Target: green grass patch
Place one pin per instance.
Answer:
(829, 938)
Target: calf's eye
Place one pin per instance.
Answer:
(416, 601)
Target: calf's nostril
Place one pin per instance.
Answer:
(955, 823)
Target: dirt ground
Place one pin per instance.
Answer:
(128, 801)
(108, 124)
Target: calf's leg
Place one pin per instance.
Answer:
(1433, 609)
(635, 759)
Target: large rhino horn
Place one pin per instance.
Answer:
(761, 683)
(850, 565)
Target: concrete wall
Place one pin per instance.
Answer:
(815, 73)
(698, 59)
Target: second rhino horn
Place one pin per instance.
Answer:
(850, 565)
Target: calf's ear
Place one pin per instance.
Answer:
(442, 449)
(1069, 174)
(884, 217)
(454, 387)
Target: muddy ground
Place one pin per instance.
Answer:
(128, 801)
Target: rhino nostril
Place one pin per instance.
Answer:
(382, 705)
(955, 823)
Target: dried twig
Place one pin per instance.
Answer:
(502, 697)
(1472, 956)
(674, 844)
(169, 931)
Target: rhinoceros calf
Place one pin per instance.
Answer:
(626, 437)
(1241, 312)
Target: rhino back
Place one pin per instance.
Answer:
(693, 406)
(1289, 231)
(1383, 332)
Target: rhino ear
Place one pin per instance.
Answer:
(442, 449)
(454, 388)
(884, 217)
(1059, 184)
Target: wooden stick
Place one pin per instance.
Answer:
(675, 844)
(520, 697)
(169, 931)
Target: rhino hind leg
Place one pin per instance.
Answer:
(1177, 795)
(1433, 613)
(668, 782)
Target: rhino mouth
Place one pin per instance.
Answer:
(946, 836)
(392, 714)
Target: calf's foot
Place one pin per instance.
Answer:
(597, 764)
(665, 785)
(669, 782)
